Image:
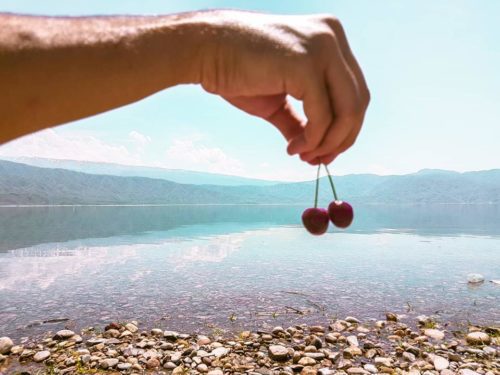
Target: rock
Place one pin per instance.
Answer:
(5, 345)
(475, 278)
(352, 340)
(352, 351)
(325, 371)
(2, 358)
(202, 367)
(434, 334)
(370, 368)
(391, 317)
(111, 333)
(478, 338)
(316, 356)
(85, 359)
(171, 335)
(351, 319)
(466, 371)
(131, 327)
(113, 325)
(219, 352)
(306, 361)
(152, 363)
(126, 333)
(16, 349)
(410, 357)
(331, 338)
(380, 324)
(179, 370)
(357, 370)
(384, 361)
(203, 340)
(309, 371)
(64, 334)
(447, 372)
(278, 353)
(169, 365)
(317, 329)
(124, 366)
(157, 332)
(215, 372)
(108, 363)
(41, 356)
(440, 363)
(497, 282)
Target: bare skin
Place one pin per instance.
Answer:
(54, 70)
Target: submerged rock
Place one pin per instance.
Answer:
(5, 345)
(475, 278)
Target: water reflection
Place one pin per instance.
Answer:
(189, 268)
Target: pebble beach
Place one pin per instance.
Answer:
(394, 345)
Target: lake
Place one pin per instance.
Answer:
(204, 268)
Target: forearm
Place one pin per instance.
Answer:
(55, 70)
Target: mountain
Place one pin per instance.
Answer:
(22, 184)
(174, 175)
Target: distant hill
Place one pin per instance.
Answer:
(22, 184)
(175, 175)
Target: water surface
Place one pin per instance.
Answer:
(203, 268)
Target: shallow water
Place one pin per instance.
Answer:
(232, 267)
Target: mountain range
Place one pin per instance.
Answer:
(23, 184)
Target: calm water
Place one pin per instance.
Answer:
(228, 267)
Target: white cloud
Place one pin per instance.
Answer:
(140, 139)
(191, 154)
(54, 145)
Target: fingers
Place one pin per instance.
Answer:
(274, 108)
(349, 98)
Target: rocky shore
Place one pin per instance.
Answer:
(348, 346)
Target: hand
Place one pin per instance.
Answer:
(255, 61)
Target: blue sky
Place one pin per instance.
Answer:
(432, 67)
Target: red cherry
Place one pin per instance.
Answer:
(341, 213)
(315, 220)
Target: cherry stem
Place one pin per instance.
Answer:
(317, 188)
(331, 183)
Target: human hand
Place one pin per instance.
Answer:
(255, 61)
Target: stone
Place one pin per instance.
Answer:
(352, 352)
(316, 356)
(309, 371)
(434, 334)
(131, 327)
(466, 371)
(352, 340)
(169, 365)
(331, 338)
(351, 319)
(157, 332)
(2, 358)
(171, 335)
(203, 340)
(124, 366)
(391, 317)
(215, 372)
(108, 363)
(278, 353)
(220, 352)
(202, 367)
(41, 356)
(325, 371)
(475, 278)
(126, 333)
(152, 363)
(111, 333)
(384, 361)
(357, 370)
(440, 363)
(5, 345)
(447, 372)
(370, 368)
(113, 325)
(410, 357)
(63, 334)
(478, 338)
(306, 361)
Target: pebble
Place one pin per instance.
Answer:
(215, 372)
(41, 356)
(131, 327)
(108, 363)
(440, 363)
(370, 368)
(63, 334)
(5, 345)
(352, 340)
(351, 319)
(478, 338)
(434, 334)
(278, 353)
(124, 366)
(220, 352)
(475, 278)
(306, 361)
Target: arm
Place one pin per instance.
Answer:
(54, 70)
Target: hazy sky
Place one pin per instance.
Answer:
(433, 68)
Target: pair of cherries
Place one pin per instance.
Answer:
(316, 219)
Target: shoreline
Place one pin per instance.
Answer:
(396, 345)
